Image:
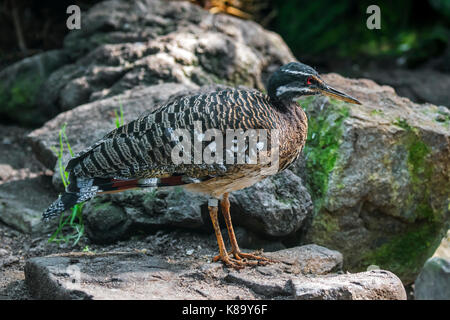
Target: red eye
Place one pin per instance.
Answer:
(309, 81)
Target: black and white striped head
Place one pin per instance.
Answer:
(295, 80)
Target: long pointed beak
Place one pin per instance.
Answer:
(329, 91)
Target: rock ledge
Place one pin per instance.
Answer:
(301, 273)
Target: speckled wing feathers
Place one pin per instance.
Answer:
(138, 154)
(142, 148)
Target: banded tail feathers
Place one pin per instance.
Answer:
(84, 189)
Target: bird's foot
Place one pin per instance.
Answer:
(260, 260)
(230, 262)
(241, 259)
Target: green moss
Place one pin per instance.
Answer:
(377, 112)
(327, 223)
(215, 79)
(417, 156)
(324, 229)
(24, 91)
(402, 123)
(285, 201)
(322, 146)
(100, 205)
(241, 77)
(421, 170)
(405, 254)
(150, 197)
(17, 101)
(340, 186)
(100, 38)
(178, 192)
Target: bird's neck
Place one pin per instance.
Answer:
(289, 109)
(295, 116)
(282, 106)
(294, 127)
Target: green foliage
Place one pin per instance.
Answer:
(74, 221)
(339, 28)
(308, 28)
(442, 6)
(119, 119)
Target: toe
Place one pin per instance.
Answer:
(252, 257)
(239, 260)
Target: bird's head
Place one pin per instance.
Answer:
(295, 80)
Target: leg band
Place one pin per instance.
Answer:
(213, 203)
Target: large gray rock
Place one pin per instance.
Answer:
(433, 282)
(127, 44)
(90, 122)
(379, 175)
(118, 216)
(115, 275)
(371, 285)
(21, 84)
(22, 203)
(410, 84)
(310, 259)
(25, 188)
(277, 207)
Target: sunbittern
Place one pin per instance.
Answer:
(141, 153)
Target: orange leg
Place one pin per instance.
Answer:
(223, 255)
(235, 251)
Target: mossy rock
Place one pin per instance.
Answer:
(18, 102)
(405, 254)
(379, 179)
(21, 83)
